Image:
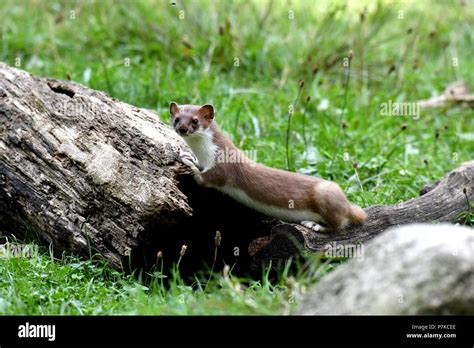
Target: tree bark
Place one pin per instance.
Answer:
(89, 174)
(82, 170)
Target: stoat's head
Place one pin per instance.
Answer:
(189, 120)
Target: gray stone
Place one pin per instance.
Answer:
(414, 269)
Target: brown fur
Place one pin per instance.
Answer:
(271, 186)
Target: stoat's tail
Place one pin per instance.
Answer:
(357, 214)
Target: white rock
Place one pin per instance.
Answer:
(414, 269)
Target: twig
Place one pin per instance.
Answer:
(291, 109)
(348, 76)
(308, 98)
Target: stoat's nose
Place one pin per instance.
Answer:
(182, 130)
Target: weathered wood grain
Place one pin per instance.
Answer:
(82, 169)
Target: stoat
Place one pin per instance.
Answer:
(313, 202)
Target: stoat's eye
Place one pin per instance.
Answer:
(176, 120)
(194, 121)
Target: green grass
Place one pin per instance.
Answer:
(44, 285)
(402, 51)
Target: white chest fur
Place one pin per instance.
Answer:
(203, 147)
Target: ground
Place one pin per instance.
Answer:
(249, 58)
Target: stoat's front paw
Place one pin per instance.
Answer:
(313, 226)
(190, 160)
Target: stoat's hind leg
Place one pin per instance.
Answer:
(331, 203)
(313, 226)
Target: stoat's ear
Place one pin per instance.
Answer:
(174, 108)
(207, 111)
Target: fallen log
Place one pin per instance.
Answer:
(83, 170)
(89, 174)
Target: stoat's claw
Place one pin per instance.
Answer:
(190, 160)
(185, 155)
(312, 226)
